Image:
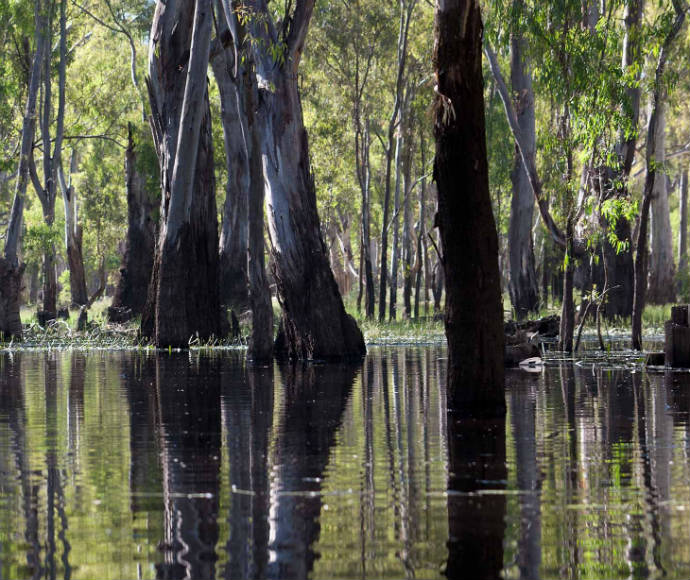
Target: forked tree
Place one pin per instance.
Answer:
(183, 294)
(315, 323)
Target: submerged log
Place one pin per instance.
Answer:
(547, 327)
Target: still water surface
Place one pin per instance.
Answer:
(144, 465)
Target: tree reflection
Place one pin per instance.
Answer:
(476, 506)
(189, 426)
(315, 397)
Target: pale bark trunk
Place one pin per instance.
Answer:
(10, 269)
(137, 261)
(73, 237)
(406, 10)
(395, 225)
(640, 290)
(422, 273)
(523, 287)
(183, 296)
(683, 231)
(661, 289)
(234, 230)
(261, 339)
(366, 270)
(315, 323)
(406, 229)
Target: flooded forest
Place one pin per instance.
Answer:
(344, 289)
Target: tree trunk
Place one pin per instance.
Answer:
(10, 269)
(565, 342)
(137, 261)
(234, 234)
(421, 274)
(261, 339)
(315, 323)
(474, 312)
(367, 271)
(407, 216)
(683, 275)
(523, 287)
(651, 156)
(405, 18)
(661, 289)
(73, 238)
(395, 225)
(183, 296)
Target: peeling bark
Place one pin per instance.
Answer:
(183, 296)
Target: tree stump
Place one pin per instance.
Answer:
(677, 343)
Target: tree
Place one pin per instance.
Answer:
(640, 289)
(10, 268)
(315, 324)
(474, 313)
(524, 293)
(183, 296)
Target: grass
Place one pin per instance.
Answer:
(426, 330)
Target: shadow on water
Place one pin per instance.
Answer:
(196, 465)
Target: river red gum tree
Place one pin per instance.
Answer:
(183, 296)
(474, 312)
(315, 324)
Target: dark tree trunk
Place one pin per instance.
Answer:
(476, 520)
(10, 299)
(315, 323)
(523, 287)
(137, 262)
(183, 296)
(437, 283)
(474, 312)
(77, 276)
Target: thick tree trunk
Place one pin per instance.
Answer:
(662, 288)
(183, 295)
(137, 261)
(261, 339)
(315, 323)
(683, 274)
(474, 312)
(234, 234)
(523, 287)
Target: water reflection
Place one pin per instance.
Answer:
(144, 465)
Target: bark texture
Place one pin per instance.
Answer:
(662, 288)
(315, 323)
(183, 295)
(683, 233)
(523, 287)
(474, 312)
(234, 229)
(137, 261)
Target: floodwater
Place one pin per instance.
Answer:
(145, 465)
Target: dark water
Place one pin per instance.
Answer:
(138, 465)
